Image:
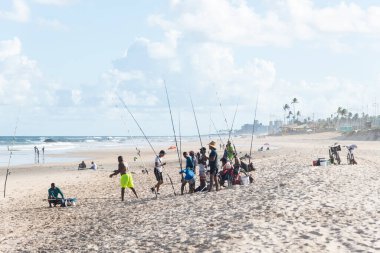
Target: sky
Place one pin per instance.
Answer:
(64, 63)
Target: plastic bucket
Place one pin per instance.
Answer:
(244, 180)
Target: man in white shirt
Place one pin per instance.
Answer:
(158, 168)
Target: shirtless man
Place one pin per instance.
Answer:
(126, 179)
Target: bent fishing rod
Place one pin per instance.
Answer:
(196, 121)
(253, 131)
(10, 157)
(142, 131)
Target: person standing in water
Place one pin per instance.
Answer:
(126, 179)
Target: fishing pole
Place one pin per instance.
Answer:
(216, 130)
(233, 121)
(253, 131)
(10, 157)
(180, 141)
(221, 108)
(196, 121)
(138, 152)
(180, 136)
(135, 144)
(142, 131)
(137, 123)
(171, 117)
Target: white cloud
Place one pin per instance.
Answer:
(281, 24)
(21, 80)
(19, 13)
(232, 22)
(216, 64)
(53, 24)
(163, 50)
(55, 2)
(9, 48)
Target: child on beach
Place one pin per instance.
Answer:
(126, 179)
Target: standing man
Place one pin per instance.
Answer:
(126, 179)
(213, 163)
(189, 161)
(158, 168)
(202, 161)
(195, 161)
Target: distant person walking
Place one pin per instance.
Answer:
(126, 179)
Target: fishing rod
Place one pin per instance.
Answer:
(233, 121)
(137, 123)
(253, 131)
(138, 152)
(180, 136)
(221, 108)
(196, 121)
(10, 157)
(135, 144)
(142, 131)
(216, 130)
(175, 136)
(232, 125)
(171, 117)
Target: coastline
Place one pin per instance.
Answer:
(292, 206)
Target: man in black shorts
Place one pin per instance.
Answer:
(158, 167)
(213, 164)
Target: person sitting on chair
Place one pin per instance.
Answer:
(53, 193)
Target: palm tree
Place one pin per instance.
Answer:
(289, 115)
(285, 108)
(298, 114)
(339, 111)
(294, 102)
(343, 112)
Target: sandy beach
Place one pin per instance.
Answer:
(291, 206)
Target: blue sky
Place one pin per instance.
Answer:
(61, 62)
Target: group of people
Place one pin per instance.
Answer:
(201, 160)
(207, 165)
(37, 154)
(83, 166)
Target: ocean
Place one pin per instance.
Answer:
(22, 148)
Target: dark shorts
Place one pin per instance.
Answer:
(158, 175)
(213, 171)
